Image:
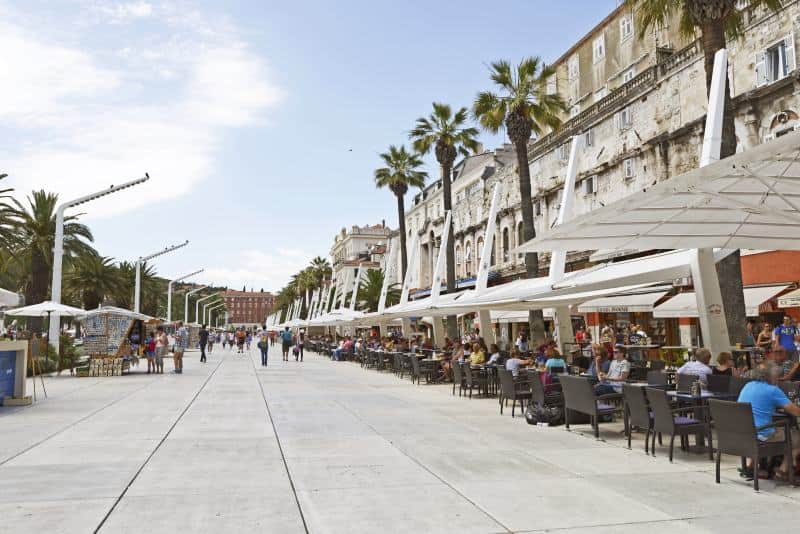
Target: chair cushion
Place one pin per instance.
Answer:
(604, 406)
(683, 420)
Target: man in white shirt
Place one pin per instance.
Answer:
(699, 366)
(618, 373)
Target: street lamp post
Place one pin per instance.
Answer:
(205, 306)
(58, 249)
(169, 292)
(212, 309)
(138, 286)
(186, 303)
(197, 306)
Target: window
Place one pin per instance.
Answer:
(776, 62)
(563, 152)
(537, 207)
(590, 185)
(520, 237)
(599, 48)
(628, 75)
(552, 87)
(625, 27)
(505, 244)
(624, 118)
(588, 138)
(600, 94)
(573, 67)
(629, 168)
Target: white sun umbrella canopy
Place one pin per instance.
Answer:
(749, 200)
(113, 310)
(44, 309)
(9, 298)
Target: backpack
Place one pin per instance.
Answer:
(548, 415)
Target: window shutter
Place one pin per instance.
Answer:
(788, 44)
(761, 68)
(617, 122)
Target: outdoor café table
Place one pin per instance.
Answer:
(747, 352)
(490, 371)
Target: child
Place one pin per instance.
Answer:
(150, 351)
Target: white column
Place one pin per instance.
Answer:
(54, 328)
(356, 283)
(387, 272)
(412, 259)
(137, 286)
(436, 284)
(482, 282)
(710, 310)
(169, 301)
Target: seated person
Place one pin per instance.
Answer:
(765, 397)
(554, 359)
(788, 368)
(618, 372)
(477, 357)
(724, 365)
(699, 366)
(516, 361)
(600, 361)
(494, 359)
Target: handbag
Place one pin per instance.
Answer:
(549, 415)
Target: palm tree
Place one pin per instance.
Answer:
(399, 174)
(322, 270)
(447, 135)
(716, 21)
(92, 279)
(8, 220)
(35, 229)
(369, 291)
(523, 106)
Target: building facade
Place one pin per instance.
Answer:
(248, 308)
(638, 108)
(361, 245)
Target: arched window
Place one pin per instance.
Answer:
(505, 244)
(479, 250)
(520, 236)
(468, 259)
(458, 259)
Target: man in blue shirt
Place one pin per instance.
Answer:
(764, 398)
(784, 335)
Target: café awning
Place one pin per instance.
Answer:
(749, 200)
(685, 304)
(638, 302)
(790, 299)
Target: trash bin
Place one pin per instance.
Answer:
(8, 364)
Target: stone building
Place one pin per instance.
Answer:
(365, 245)
(248, 308)
(638, 107)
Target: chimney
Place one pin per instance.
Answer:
(383, 223)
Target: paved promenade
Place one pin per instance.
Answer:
(328, 447)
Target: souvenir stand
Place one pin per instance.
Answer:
(110, 340)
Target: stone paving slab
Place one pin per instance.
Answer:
(328, 447)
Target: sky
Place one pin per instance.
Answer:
(259, 122)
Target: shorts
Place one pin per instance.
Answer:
(780, 435)
(160, 352)
(286, 346)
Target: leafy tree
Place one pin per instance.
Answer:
(716, 21)
(400, 173)
(522, 106)
(35, 228)
(447, 134)
(92, 279)
(369, 291)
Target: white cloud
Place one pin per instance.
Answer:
(81, 121)
(258, 268)
(120, 12)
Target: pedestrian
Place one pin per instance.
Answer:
(286, 339)
(784, 336)
(224, 340)
(150, 352)
(181, 343)
(211, 339)
(162, 343)
(240, 337)
(263, 345)
(248, 340)
(301, 339)
(203, 342)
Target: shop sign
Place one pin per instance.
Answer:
(789, 301)
(612, 309)
(714, 310)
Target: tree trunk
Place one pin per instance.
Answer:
(401, 222)
(729, 270)
(37, 290)
(452, 321)
(535, 317)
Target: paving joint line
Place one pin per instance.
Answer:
(158, 446)
(280, 446)
(82, 419)
(426, 468)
